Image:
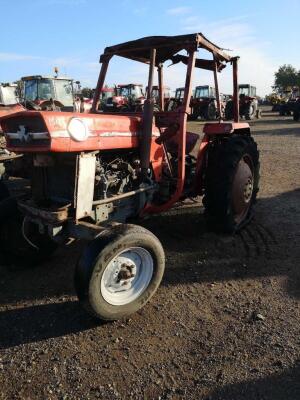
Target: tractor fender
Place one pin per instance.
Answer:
(226, 128)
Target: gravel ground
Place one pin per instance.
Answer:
(225, 323)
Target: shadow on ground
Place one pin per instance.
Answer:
(283, 386)
(193, 255)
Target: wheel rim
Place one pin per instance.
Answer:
(242, 188)
(127, 276)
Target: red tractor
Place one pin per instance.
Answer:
(92, 173)
(204, 103)
(128, 97)
(248, 104)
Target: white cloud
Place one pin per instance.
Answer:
(238, 37)
(17, 57)
(178, 10)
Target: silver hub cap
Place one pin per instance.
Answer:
(127, 276)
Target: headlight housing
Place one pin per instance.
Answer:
(78, 130)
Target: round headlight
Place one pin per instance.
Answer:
(78, 129)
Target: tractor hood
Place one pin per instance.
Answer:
(48, 131)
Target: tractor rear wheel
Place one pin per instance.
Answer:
(231, 183)
(250, 112)
(4, 193)
(296, 115)
(229, 110)
(21, 243)
(119, 272)
(211, 112)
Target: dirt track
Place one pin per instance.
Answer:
(200, 337)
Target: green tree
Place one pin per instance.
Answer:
(286, 76)
(87, 92)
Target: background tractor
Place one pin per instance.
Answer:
(204, 104)
(248, 103)
(90, 174)
(48, 93)
(127, 98)
(9, 103)
(176, 101)
(9, 100)
(291, 103)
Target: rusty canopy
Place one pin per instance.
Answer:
(166, 48)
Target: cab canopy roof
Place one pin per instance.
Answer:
(167, 48)
(129, 85)
(30, 78)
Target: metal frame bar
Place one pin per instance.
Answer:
(100, 84)
(145, 142)
(161, 87)
(217, 90)
(182, 139)
(236, 105)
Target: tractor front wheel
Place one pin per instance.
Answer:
(231, 183)
(119, 272)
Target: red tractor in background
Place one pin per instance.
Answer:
(204, 103)
(127, 97)
(248, 104)
(84, 99)
(90, 174)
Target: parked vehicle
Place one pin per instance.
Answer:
(204, 103)
(9, 101)
(288, 107)
(296, 111)
(248, 103)
(92, 173)
(127, 98)
(48, 93)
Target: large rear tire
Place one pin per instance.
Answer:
(119, 272)
(229, 110)
(4, 192)
(231, 183)
(211, 112)
(250, 112)
(296, 115)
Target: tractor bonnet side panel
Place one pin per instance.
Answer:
(47, 131)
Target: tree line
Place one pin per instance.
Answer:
(287, 77)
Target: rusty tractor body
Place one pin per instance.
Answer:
(248, 104)
(127, 97)
(48, 93)
(204, 103)
(92, 173)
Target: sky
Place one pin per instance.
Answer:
(38, 35)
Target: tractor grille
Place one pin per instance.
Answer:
(26, 131)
